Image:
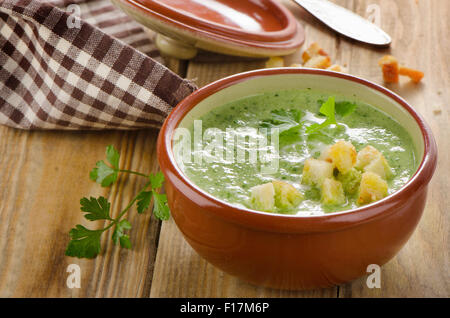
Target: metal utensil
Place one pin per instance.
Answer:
(346, 22)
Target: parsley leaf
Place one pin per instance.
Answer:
(327, 109)
(104, 174)
(291, 134)
(119, 236)
(290, 115)
(112, 156)
(157, 180)
(98, 208)
(143, 201)
(283, 119)
(93, 174)
(160, 208)
(345, 108)
(288, 123)
(84, 243)
(125, 241)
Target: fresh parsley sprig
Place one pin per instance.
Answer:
(85, 243)
(291, 127)
(327, 109)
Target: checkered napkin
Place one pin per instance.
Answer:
(96, 71)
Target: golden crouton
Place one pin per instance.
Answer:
(380, 166)
(325, 155)
(318, 61)
(343, 155)
(413, 74)
(275, 61)
(286, 195)
(335, 68)
(262, 197)
(370, 159)
(372, 188)
(313, 50)
(389, 67)
(316, 171)
(365, 156)
(332, 192)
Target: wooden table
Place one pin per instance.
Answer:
(44, 174)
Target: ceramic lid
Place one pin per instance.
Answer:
(247, 28)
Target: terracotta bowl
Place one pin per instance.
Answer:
(285, 251)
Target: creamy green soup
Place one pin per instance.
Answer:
(358, 123)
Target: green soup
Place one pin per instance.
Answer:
(231, 180)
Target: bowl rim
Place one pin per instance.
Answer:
(284, 222)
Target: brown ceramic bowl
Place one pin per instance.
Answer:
(256, 28)
(285, 251)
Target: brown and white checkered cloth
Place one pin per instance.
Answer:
(96, 71)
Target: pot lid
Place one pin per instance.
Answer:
(246, 27)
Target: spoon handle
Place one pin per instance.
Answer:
(346, 22)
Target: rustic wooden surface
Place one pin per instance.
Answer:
(44, 174)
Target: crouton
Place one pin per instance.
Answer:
(350, 181)
(325, 155)
(389, 67)
(286, 195)
(372, 188)
(343, 155)
(263, 197)
(318, 61)
(332, 192)
(313, 50)
(380, 166)
(275, 61)
(296, 65)
(335, 68)
(316, 171)
(413, 74)
(370, 159)
(365, 156)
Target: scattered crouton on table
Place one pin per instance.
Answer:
(415, 75)
(313, 57)
(318, 61)
(389, 67)
(391, 70)
(275, 61)
(313, 50)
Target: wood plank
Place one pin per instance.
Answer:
(44, 176)
(419, 30)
